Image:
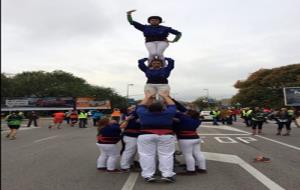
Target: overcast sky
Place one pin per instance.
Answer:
(222, 41)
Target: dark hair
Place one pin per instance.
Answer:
(156, 107)
(156, 59)
(155, 17)
(103, 122)
(193, 114)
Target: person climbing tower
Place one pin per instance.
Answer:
(155, 35)
(157, 76)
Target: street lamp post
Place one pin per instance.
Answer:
(127, 94)
(207, 93)
(207, 96)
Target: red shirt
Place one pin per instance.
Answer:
(59, 115)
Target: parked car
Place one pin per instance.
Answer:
(205, 116)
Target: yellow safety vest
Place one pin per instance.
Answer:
(83, 115)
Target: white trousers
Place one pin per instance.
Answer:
(109, 155)
(191, 151)
(156, 89)
(156, 48)
(148, 146)
(129, 152)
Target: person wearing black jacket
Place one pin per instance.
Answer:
(258, 118)
(32, 117)
(283, 118)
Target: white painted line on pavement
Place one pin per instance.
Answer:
(284, 144)
(229, 158)
(44, 139)
(130, 182)
(228, 140)
(220, 134)
(246, 139)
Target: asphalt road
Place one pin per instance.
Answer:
(65, 159)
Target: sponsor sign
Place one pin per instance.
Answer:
(92, 103)
(46, 103)
(291, 96)
(16, 102)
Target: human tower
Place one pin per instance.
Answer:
(150, 128)
(159, 67)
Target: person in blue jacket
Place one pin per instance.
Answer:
(131, 131)
(155, 35)
(96, 115)
(109, 134)
(189, 141)
(156, 137)
(157, 76)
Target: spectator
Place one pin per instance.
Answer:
(96, 115)
(83, 116)
(32, 117)
(58, 118)
(116, 115)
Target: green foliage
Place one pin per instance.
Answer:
(265, 86)
(55, 84)
(202, 103)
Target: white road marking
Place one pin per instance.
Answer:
(284, 144)
(44, 139)
(226, 140)
(233, 129)
(130, 182)
(246, 139)
(229, 158)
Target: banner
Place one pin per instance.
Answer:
(291, 96)
(92, 103)
(47, 103)
(52, 103)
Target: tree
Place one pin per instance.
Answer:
(55, 84)
(265, 86)
(204, 103)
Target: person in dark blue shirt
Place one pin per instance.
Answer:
(157, 76)
(155, 35)
(131, 132)
(156, 136)
(109, 134)
(189, 141)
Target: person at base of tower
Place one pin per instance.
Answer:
(157, 76)
(109, 134)
(155, 35)
(131, 132)
(156, 137)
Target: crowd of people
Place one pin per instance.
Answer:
(257, 116)
(72, 118)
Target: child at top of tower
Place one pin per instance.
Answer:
(157, 75)
(155, 35)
